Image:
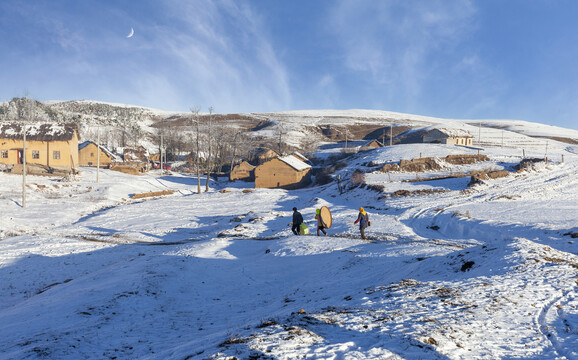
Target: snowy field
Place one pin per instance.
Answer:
(484, 272)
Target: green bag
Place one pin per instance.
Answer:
(303, 229)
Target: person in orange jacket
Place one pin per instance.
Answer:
(363, 220)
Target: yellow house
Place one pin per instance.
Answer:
(286, 172)
(243, 171)
(48, 144)
(450, 136)
(261, 155)
(88, 154)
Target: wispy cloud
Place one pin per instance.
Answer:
(401, 45)
(220, 55)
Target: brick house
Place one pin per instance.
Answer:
(450, 136)
(286, 172)
(88, 154)
(47, 144)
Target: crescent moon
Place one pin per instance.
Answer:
(131, 33)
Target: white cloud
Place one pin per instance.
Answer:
(400, 43)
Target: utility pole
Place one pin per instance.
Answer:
(210, 149)
(161, 155)
(97, 155)
(24, 166)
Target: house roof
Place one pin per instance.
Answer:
(243, 165)
(39, 131)
(299, 156)
(451, 132)
(372, 141)
(103, 148)
(294, 162)
(262, 151)
(139, 154)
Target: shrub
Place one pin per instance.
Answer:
(323, 177)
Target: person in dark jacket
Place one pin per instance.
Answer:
(297, 221)
(363, 220)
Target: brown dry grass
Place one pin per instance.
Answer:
(152, 194)
(417, 192)
(125, 169)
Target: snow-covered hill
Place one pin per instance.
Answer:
(299, 130)
(451, 271)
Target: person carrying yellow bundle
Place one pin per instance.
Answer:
(363, 220)
(320, 224)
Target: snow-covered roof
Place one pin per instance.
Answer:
(299, 156)
(449, 131)
(39, 131)
(294, 162)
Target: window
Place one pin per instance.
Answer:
(35, 154)
(4, 154)
(56, 155)
(91, 154)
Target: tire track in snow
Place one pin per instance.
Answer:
(545, 329)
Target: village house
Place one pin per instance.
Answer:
(54, 146)
(261, 155)
(243, 171)
(447, 136)
(136, 157)
(88, 154)
(370, 145)
(286, 172)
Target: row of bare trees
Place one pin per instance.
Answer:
(216, 145)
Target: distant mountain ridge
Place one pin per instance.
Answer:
(297, 127)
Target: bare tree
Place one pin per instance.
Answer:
(195, 111)
(280, 132)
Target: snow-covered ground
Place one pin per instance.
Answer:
(488, 271)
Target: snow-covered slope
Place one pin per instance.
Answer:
(483, 272)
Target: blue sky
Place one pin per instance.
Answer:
(499, 59)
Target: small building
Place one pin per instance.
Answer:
(262, 155)
(450, 136)
(286, 172)
(243, 171)
(134, 157)
(54, 146)
(89, 154)
(370, 145)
